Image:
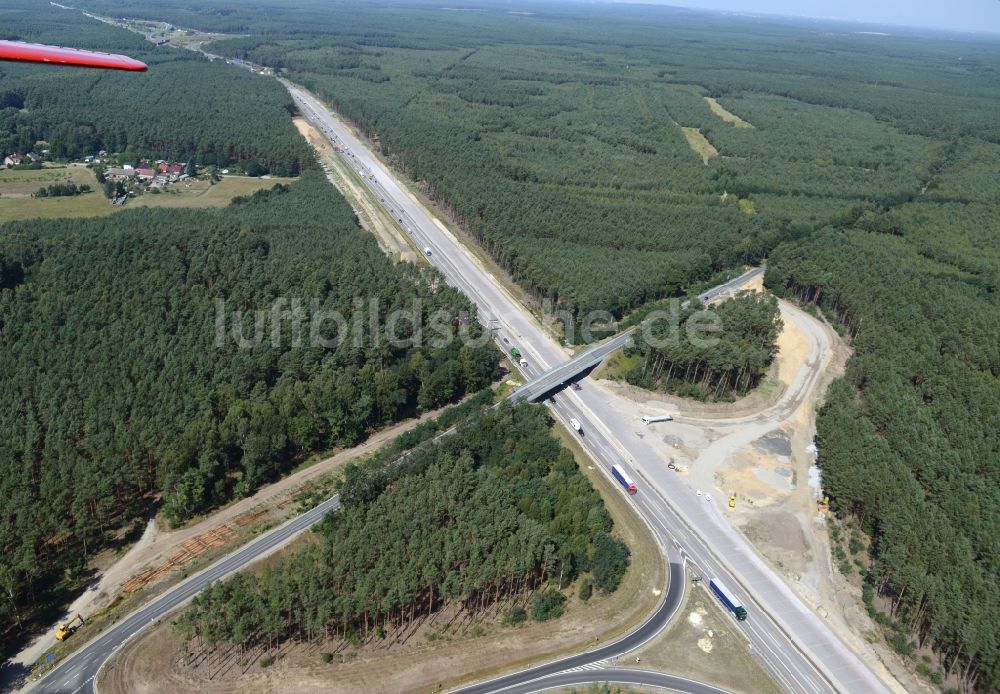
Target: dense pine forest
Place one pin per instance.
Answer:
(866, 166)
(184, 108)
(490, 514)
(909, 439)
(557, 135)
(117, 390)
(863, 166)
(714, 364)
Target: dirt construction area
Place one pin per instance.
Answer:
(371, 217)
(759, 451)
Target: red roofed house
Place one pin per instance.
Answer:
(175, 169)
(144, 170)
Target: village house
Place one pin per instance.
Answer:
(115, 174)
(170, 169)
(13, 160)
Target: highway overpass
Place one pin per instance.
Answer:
(538, 387)
(793, 643)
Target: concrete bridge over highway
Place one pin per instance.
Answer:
(536, 388)
(540, 385)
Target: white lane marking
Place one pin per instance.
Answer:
(84, 685)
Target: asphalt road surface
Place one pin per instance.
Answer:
(620, 676)
(792, 642)
(560, 375)
(732, 285)
(796, 646)
(77, 672)
(646, 631)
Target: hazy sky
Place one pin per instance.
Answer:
(964, 15)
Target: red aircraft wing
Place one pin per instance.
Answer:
(38, 53)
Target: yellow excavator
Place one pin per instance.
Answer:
(67, 629)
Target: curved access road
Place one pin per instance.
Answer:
(76, 674)
(635, 678)
(646, 631)
(794, 643)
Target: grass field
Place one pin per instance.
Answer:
(204, 194)
(23, 183)
(725, 115)
(701, 146)
(16, 188)
(617, 366)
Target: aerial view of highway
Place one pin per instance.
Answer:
(789, 639)
(210, 488)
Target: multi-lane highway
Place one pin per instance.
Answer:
(791, 641)
(794, 643)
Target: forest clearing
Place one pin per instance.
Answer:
(719, 110)
(700, 144)
(17, 187)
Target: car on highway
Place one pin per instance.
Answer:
(574, 385)
(427, 251)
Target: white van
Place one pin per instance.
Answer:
(575, 423)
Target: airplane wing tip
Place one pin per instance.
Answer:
(41, 53)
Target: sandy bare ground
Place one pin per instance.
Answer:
(746, 441)
(756, 449)
(446, 222)
(157, 544)
(372, 218)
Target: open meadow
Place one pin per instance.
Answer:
(17, 187)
